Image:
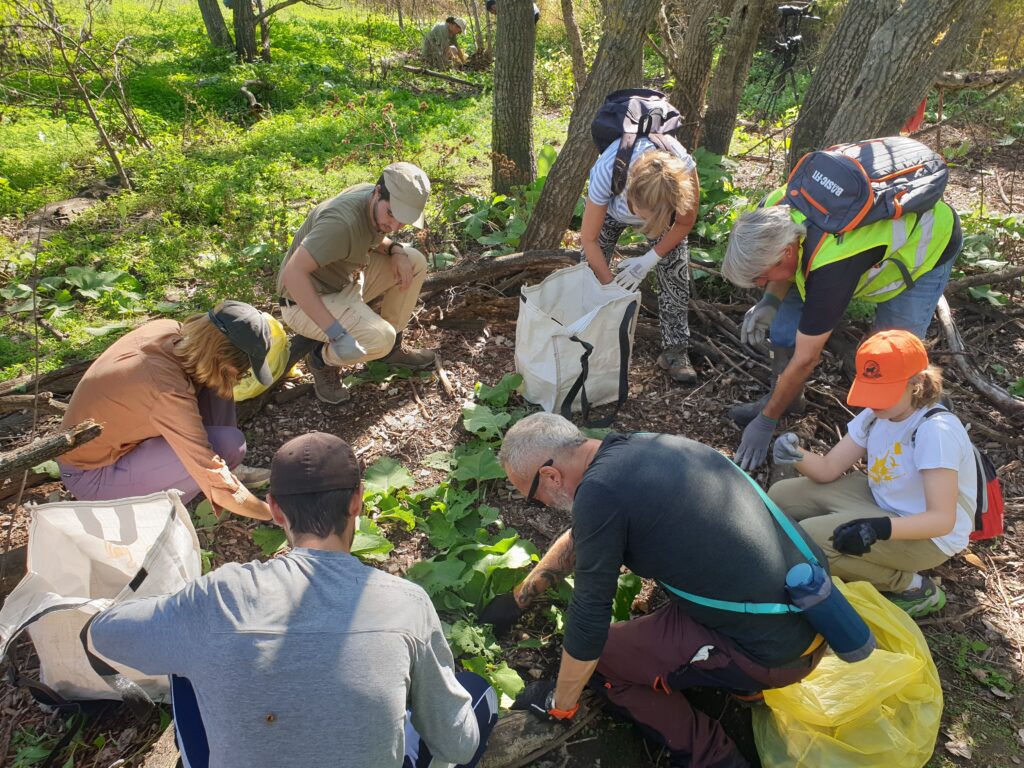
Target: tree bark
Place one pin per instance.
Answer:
(244, 22)
(579, 60)
(731, 73)
(618, 64)
(839, 65)
(512, 159)
(691, 64)
(46, 448)
(213, 20)
(901, 64)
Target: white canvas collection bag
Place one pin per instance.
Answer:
(84, 556)
(574, 340)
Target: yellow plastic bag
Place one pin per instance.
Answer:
(248, 387)
(882, 712)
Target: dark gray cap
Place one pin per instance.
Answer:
(246, 328)
(313, 463)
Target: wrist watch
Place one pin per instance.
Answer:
(560, 714)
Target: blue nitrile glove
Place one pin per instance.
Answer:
(758, 320)
(539, 698)
(633, 271)
(857, 536)
(754, 445)
(342, 343)
(787, 449)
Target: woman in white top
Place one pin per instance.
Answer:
(660, 199)
(914, 509)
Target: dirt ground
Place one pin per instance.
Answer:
(977, 641)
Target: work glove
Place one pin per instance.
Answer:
(342, 343)
(787, 449)
(539, 698)
(503, 612)
(633, 271)
(754, 444)
(758, 320)
(857, 536)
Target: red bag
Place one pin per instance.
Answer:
(988, 519)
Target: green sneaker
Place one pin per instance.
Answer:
(928, 598)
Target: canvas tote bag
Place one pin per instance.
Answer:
(574, 340)
(84, 556)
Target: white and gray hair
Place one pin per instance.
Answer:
(539, 437)
(757, 242)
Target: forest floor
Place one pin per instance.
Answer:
(977, 641)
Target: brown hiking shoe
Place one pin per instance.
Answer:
(327, 383)
(413, 359)
(676, 362)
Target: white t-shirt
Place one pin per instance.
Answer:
(895, 462)
(600, 190)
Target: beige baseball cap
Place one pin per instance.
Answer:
(461, 23)
(409, 188)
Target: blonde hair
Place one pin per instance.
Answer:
(659, 184)
(926, 387)
(209, 357)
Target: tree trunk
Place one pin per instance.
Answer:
(245, 30)
(618, 64)
(213, 20)
(901, 63)
(264, 25)
(691, 65)
(579, 61)
(512, 158)
(731, 73)
(839, 66)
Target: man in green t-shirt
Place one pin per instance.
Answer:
(342, 258)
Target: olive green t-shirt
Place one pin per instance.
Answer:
(338, 235)
(437, 40)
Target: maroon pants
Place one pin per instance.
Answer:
(648, 661)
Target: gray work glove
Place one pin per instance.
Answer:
(758, 320)
(342, 343)
(787, 449)
(633, 271)
(754, 445)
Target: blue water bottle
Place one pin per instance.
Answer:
(829, 612)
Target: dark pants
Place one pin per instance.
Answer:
(648, 661)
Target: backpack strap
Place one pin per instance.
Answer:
(981, 502)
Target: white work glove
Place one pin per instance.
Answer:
(342, 343)
(787, 449)
(633, 271)
(758, 320)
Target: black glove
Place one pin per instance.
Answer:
(539, 698)
(857, 536)
(502, 612)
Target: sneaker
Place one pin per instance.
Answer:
(327, 383)
(252, 477)
(676, 362)
(928, 598)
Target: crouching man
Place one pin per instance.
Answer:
(309, 659)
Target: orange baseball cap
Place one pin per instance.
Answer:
(885, 363)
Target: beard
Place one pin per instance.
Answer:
(561, 500)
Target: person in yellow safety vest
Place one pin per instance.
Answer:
(809, 278)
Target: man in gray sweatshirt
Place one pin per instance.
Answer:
(311, 658)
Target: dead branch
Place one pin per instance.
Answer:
(49, 447)
(960, 80)
(48, 326)
(60, 382)
(485, 270)
(1018, 75)
(519, 738)
(442, 374)
(44, 402)
(441, 75)
(999, 397)
(986, 278)
(254, 104)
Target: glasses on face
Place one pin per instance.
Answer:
(535, 483)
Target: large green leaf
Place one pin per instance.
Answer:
(499, 394)
(480, 466)
(440, 531)
(506, 681)
(385, 476)
(483, 422)
(369, 542)
(436, 575)
(629, 587)
(269, 539)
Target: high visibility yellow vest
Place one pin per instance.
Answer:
(913, 244)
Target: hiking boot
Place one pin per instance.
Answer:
(928, 598)
(676, 362)
(327, 383)
(744, 413)
(413, 359)
(252, 477)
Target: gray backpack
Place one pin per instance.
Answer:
(850, 185)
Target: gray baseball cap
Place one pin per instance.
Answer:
(409, 188)
(246, 328)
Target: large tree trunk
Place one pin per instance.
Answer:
(839, 66)
(731, 73)
(901, 64)
(512, 158)
(579, 61)
(245, 30)
(213, 20)
(691, 62)
(618, 64)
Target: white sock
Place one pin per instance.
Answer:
(916, 582)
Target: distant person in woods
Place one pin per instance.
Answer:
(492, 7)
(441, 44)
(342, 258)
(660, 199)
(311, 658)
(163, 394)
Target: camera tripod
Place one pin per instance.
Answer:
(786, 52)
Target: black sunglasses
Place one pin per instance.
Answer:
(535, 483)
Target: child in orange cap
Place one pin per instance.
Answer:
(913, 510)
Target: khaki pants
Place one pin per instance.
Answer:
(376, 333)
(821, 507)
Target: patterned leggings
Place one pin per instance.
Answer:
(673, 284)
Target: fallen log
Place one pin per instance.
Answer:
(499, 266)
(164, 752)
(43, 402)
(519, 738)
(958, 80)
(46, 448)
(60, 382)
(1004, 401)
(441, 75)
(986, 278)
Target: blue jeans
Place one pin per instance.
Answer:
(910, 310)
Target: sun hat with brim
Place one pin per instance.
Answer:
(246, 328)
(460, 23)
(409, 188)
(885, 363)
